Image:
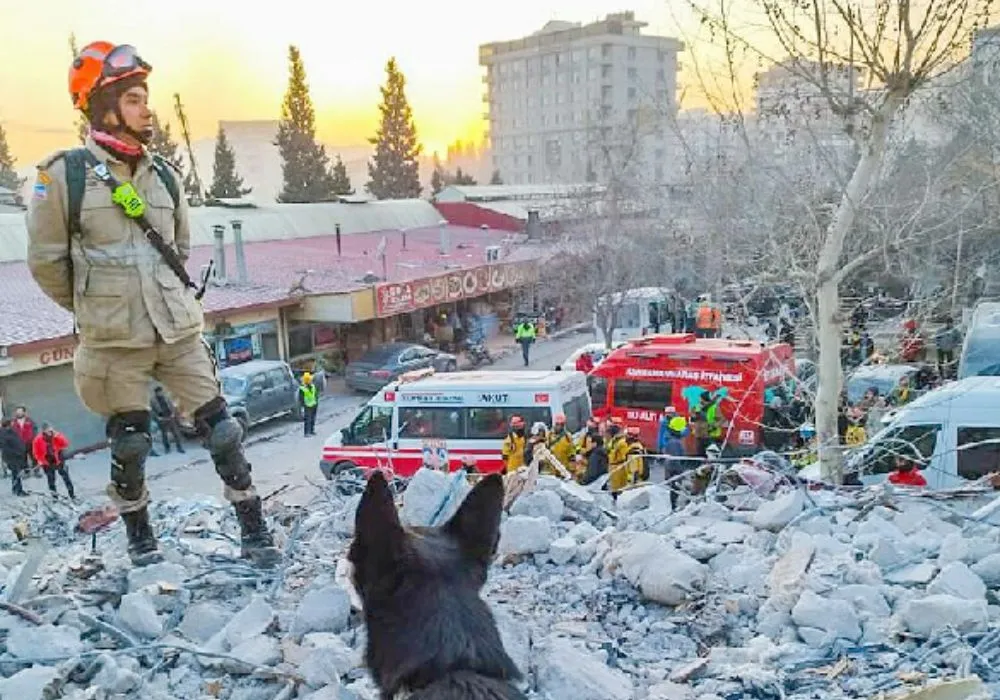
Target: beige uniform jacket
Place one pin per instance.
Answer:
(110, 277)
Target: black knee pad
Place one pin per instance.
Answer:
(225, 443)
(209, 415)
(130, 442)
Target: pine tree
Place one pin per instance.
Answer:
(226, 182)
(8, 175)
(393, 171)
(495, 179)
(163, 145)
(304, 162)
(463, 178)
(437, 180)
(341, 181)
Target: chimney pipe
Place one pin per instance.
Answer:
(241, 260)
(338, 240)
(219, 232)
(534, 226)
(445, 239)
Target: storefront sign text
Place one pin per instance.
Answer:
(694, 375)
(402, 297)
(56, 356)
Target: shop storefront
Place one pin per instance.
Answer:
(41, 379)
(312, 344)
(235, 344)
(480, 299)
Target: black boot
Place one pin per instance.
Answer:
(256, 542)
(141, 540)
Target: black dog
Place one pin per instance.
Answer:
(429, 632)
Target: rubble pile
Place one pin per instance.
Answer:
(804, 595)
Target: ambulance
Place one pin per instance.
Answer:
(437, 419)
(644, 376)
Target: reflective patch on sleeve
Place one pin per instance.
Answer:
(43, 178)
(40, 191)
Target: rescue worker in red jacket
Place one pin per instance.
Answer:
(907, 473)
(49, 449)
(585, 362)
(26, 430)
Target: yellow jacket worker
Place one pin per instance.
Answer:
(618, 454)
(108, 238)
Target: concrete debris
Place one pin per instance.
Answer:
(800, 595)
(524, 534)
(139, 616)
(322, 610)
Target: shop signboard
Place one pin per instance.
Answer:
(402, 297)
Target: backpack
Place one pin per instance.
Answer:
(76, 183)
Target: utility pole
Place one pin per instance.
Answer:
(182, 118)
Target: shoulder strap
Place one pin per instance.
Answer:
(162, 168)
(76, 183)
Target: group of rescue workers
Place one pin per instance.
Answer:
(603, 448)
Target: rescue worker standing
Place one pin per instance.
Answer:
(512, 449)
(560, 442)
(49, 449)
(165, 414)
(14, 454)
(618, 452)
(525, 335)
(636, 451)
(708, 422)
(135, 310)
(309, 400)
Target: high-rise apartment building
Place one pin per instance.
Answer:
(559, 97)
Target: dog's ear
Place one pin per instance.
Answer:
(476, 525)
(376, 523)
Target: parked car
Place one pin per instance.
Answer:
(882, 377)
(259, 391)
(598, 350)
(385, 363)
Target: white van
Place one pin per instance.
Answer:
(426, 417)
(981, 347)
(631, 309)
(955, 430)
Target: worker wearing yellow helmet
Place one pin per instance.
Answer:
(309, 402)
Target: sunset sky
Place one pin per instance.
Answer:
(228, 63)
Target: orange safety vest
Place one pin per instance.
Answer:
(704, 320)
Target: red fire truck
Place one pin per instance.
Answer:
(641, 378)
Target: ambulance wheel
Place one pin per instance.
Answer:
(341, 467)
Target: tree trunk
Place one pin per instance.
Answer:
(828, 279)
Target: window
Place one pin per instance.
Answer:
(233, 386)
(605, 50)
(491, 423)
(977, 456)
(372, 425)
(631, 94)
(631, 53)
(598, 387)
(633, 74)
(642, 394)
(420, 422)
(577, 411)
(881, 457)
(605, 72)
(260, 382)
(278, 378)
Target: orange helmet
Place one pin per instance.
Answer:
(100, 64)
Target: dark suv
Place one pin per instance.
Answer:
(260, 390)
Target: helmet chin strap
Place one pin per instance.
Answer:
(143, 137)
